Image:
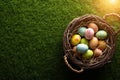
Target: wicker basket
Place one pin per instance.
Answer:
(74, 63)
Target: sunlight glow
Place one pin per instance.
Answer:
(112, 1)
(107, 6)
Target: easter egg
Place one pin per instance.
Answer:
(84, 41)
(75, 39)
(75, 52)
(102, 45)
(88, 54)
(101, 34)
(93, 26)
(81, 48)
(81, 31)
(74, 49)
(89, 33)
(97, 52)
(93, 43)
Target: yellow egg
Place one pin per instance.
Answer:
(93, 26)
(93, 43)
(102, 45)
(75, 39)
(88, 54)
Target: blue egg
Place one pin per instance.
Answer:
(81, 48)
(82, 30)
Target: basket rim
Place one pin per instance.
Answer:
(72, 23)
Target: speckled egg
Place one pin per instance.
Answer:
(93, 26)
(81, 31)
(89, 33)
(97, 52)
(81, 48)
(93, 43)
(101, 34)
(75, 39)
(102, 45)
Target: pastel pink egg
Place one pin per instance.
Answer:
(97, 52)
(93, 26)
(89, 33)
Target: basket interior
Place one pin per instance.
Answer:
(84, 21)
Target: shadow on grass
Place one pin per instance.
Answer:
(93, 74)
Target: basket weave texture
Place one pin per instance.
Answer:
(72, 28)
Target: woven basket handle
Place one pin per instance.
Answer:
(67, 63)
(112, 14)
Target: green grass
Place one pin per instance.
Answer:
(31, 33)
